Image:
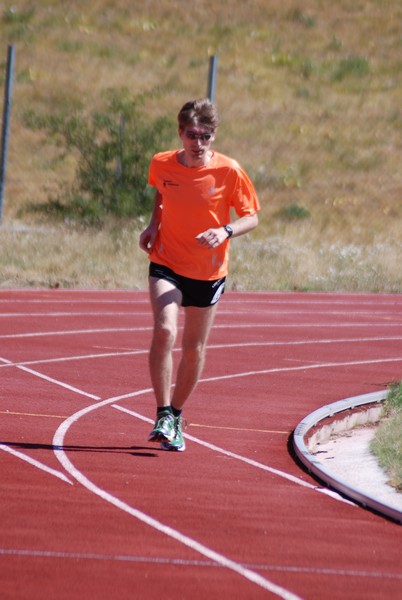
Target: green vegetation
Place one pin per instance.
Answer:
(309, 97)
(293, 212)
(114, 147)
(387, 444)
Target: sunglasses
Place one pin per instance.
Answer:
(203, 137)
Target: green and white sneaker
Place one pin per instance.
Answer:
(164, 429)
(177, 444)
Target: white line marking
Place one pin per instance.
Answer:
(35, 463)
(78, 357)
(76, 314)
(73, 332)
(167, 530)
(216, 326)
(210, 347)
(148, 520)
(248, 461)
(75, 301)
(188, 562)
(52, 380)
(259, 298)
(130, 313)
(303, 368)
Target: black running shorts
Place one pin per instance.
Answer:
(195, 292)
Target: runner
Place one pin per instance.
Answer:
(187, 241)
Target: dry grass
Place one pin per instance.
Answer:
(69, 257)
(309, 94)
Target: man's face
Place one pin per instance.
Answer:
(197, 141)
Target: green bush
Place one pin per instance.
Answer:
(355, 66)
(293, 212)
(113, 148)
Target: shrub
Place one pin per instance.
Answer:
(356, 66)
(293, 212)
(113, 147)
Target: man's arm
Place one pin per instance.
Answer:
(148, 236)
(211, 238)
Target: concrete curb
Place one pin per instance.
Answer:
(313, 429)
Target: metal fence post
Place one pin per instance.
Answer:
(6, 122)
(213, 61)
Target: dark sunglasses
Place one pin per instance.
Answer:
(204, 137)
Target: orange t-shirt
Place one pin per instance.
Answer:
(194, 200)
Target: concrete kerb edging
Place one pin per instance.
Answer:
(314, 419)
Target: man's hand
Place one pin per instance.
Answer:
(211, 238)
(147, 238)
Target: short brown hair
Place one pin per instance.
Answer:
(199, 112)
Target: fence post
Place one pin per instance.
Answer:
(6, 122)
(213, 61)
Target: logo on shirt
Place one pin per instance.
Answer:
(169, 183)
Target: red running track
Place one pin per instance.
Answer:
(91, 510)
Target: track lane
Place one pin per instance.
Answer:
(307, 568)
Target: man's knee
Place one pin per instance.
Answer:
(194, 351)
(164, 337)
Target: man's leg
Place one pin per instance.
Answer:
(198, 323)
(165, 301)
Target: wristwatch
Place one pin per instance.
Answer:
(228, 230)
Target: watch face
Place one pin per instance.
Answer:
(229, 230)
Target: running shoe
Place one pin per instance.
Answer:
(164, 429)
(177, 444)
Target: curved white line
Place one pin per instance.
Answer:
(35, 463)
(58, 441)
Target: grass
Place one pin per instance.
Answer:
(309, 95)
(37, 257)
(387, 443)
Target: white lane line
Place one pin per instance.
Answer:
(313, 325)
(210, 347)
(249, 461)
(304, 368)
(218, 378)
(75, 301)
(205, 380)
(244, 459)
(26, 458)
(62, 457)
(59, 383)
(63, 359)
(188, 562)
(132, 297)
(191, 543)
(52, 380)
(158, 560)
(114, 313)
(229, 326)
(73, 332)
(237, 299)
(224, 311)
(35, 463)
